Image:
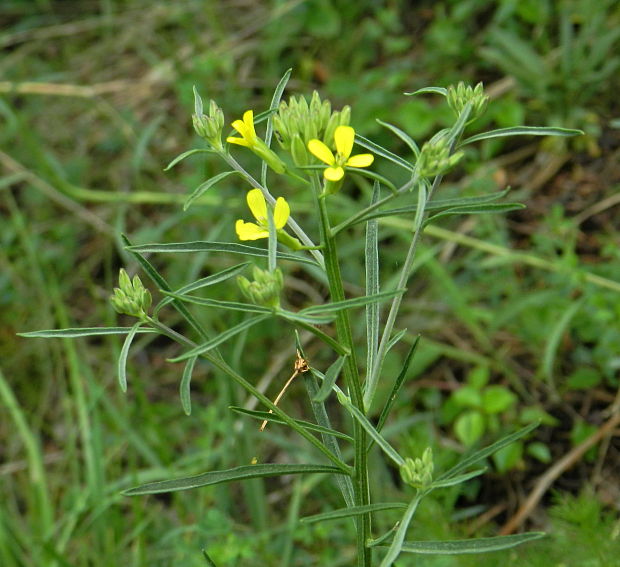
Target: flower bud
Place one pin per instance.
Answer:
(418, 472)
(435, 158)
(265, 288)
(131, 297)
(208, 127)
(458, 97)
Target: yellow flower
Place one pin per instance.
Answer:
(245, 127)
(343, 136)
(258, 207)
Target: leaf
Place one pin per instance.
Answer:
(371, 263)
(469, 427)
(184, 387)
(229, 248)
(350, 512)
(83, 332)
(403, 136)
(426, 90)
(394, 340)
(457, 479)
(479, 545)
(399, 536)
(350, 303)
(381, 151)
(265, 415)
(204, 187)
(184, 155)
(122, 359)
(244, 472)
(302, 318)
(521, 131)
(273, 107)
(220, 304)
(204, 282)
(340, 349)
(496, 399)
(219, 339)
(477, 456)
(492, 208)
(330, 379)
(374, 176)
(420, 208)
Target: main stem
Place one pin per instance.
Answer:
(352, 380)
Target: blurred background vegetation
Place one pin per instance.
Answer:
(520, 315)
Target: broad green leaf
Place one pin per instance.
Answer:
(403, 136)
(220, 304)
(83, 332)
(184, 388)
(228, 247)
(353, 511)
(521, 131)
(479, 545)
(219, 339)
(204, 282)
(381, 151)
(477, 456)
(432, 90)
(244, 472)
(330, 379)
(469, 427)
(265, 415)
(204, 187)
(122, 358)
(496, 399)
(350, 303)
(184, 155)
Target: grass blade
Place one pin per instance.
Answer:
(244, 472)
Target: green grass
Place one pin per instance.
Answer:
(83, 164)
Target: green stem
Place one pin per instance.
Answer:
(224, 367)
(351, 376)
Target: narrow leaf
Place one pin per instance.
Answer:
(303, 318)
(371, 261)
(204, 187)
(222, 337)
(399, 537)
(394, 340)
(425, 90)
(479, 545)
(186, 154)
(381, 151)
(334, 344)
(230, 248)
(244, 472)
(477, 456)
(403, 136)
(83, 332)
(220, 304)
(330, 379)
(452, 481)
(273, 107)
(490, 208)
(184, 388)
(421, 207)
(353, 511)
(351, 303)
(122, 359)
(521, 131)
(265, 415)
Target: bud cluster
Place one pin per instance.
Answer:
(131, 297)
(208, 126)
(435, 157)
(418, 472)
(459, 96)
(297, 122)
(265, 288)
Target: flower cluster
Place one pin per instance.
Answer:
(131, 297)
(418, 472)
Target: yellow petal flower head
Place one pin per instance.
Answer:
(343, 137)
(245, 127)
(258, 207)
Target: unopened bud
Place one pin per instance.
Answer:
(436, 159)
(418, 472)
(265, 289)
(458, 97)
(131, 297)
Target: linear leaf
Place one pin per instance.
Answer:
(205, 282)
(340, 349)
(381, 151)
(487, 208)
(403, 136)
(521, 131)
(330, 379)
(351, 303)
(273, 107)
(228, 247)
(265, 415)
(399, 537)
(184, 388)
(186, 154)
(353, 511)
(371, 262)
(244, 472)
(220, 304)
(82, 332)
(303, 318)
(452, 481)
(219, 339)
(487, 451)
(122, 359)
(395, 339)
(375, 176)
(478, 545)
(204, 187)
(425, 90)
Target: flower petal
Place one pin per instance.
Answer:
(333, 173)
(321, 151)
(241, 127)
(257, 204)
(281, 213)
(250, 231)
(248, 119)
(360, 160)
(239, 141)
(344, 136)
